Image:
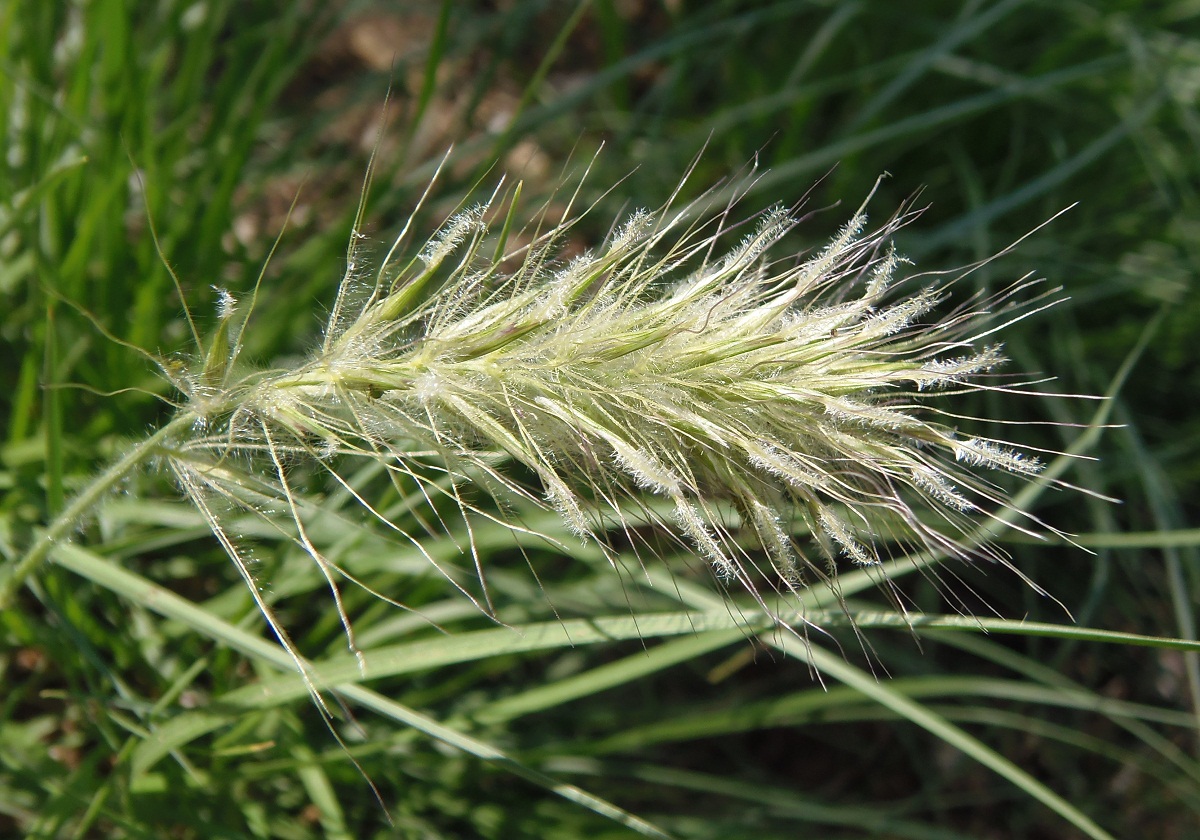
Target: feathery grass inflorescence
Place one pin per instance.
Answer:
(677, 375)
(771, 413)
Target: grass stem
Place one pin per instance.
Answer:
(86, 500)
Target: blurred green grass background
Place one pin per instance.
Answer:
(210, 117)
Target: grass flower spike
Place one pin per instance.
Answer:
(681, 380)
(678, 375)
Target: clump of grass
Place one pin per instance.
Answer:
(681, 375)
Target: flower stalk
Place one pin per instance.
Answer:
(82, 504)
